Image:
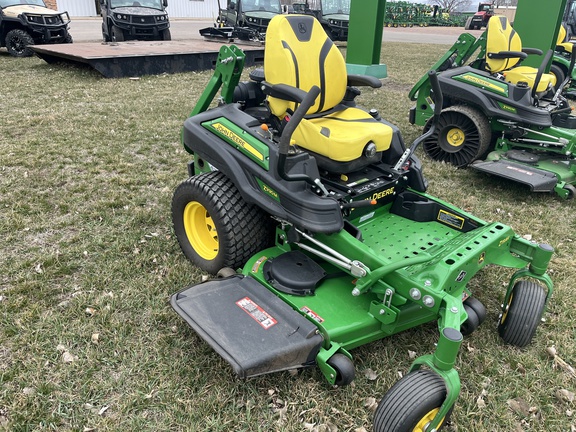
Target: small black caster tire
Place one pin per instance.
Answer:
(571, 191)
(522, 314)
(478, 307)
(472, 322)
(411, 404)
(225, 272)
(345, 371)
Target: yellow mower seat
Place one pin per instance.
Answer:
(501, 37)
(299, 53)
(561, 41)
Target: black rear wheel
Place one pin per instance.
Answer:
(557, 71)
(214, 226)
(411, 404)
(462, 135)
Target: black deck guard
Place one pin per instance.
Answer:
(251, 328)
(538, 180)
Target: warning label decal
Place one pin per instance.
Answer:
(257, 313)
(312, 314)
(451, 219)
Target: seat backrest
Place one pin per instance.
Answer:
(500, 36)
(561, 35)
(298, 52)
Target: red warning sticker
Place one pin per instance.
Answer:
(260, 315)
(312, 314)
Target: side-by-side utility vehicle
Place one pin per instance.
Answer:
(124, 20)
(30, 22)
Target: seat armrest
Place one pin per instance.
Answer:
(507, 54)
(364, 80)
(536, 51)
(283, 91)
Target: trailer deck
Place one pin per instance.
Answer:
(138, 58)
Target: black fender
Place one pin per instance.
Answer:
(293, 201)
(487, 101)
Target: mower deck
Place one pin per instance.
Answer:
(287, 306)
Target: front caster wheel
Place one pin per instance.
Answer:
(522, 314)
(344, 367)
(471, 323)
(215, 227)
(476, 315)
(571, 191)
(411, 404)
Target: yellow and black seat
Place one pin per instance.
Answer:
(561, 44)
(299, 53)
(504, 51)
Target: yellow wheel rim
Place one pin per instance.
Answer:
(200, 230)
(426, 420)
(505, 313)
(455, 137)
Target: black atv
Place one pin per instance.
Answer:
(135, 20)
(245, 20)
(30, 22)
(334, 15)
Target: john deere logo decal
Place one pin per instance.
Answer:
(240, 139)
(484, 83)
(237, 139)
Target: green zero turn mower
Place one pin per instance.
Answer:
(324, 210)
(498, 117)
(562, 64)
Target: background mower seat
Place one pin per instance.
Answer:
(299, 53)
(504, 51)
(561, 44)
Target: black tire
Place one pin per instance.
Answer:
(411, 403)
(214, 226)
(462, 135)
(166, 35)
(345, 371)
(105, 36)
(467, 25)
(116, 34)
(559, 73)
(472, 322)
(478, 307)
(18, 43)
(68, 39)
(571, 191)
(521, 316)
(225, 272)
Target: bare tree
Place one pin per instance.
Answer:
(451, 5)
